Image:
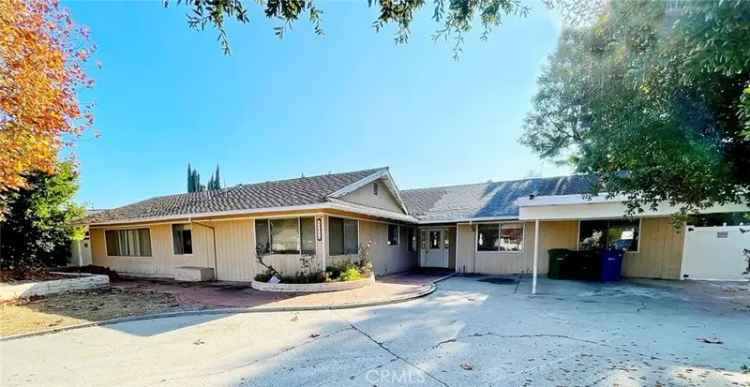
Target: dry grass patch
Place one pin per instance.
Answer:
(80, 307)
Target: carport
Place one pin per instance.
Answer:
(659, 253)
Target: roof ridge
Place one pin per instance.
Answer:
(489, 182)
(228, 189)
(311, 177)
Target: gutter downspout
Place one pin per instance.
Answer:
(474, 246)
(213, 231)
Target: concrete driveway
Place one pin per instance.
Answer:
(467, 333)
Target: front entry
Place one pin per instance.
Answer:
(434, 248)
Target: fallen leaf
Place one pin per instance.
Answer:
(710, 340)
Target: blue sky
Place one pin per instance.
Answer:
(167, 95)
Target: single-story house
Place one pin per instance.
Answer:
(493, 228)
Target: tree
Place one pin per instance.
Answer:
(38, 228)
(653, 98)
(454, 17)
(194, 180)
(42, 53)
(214, 183)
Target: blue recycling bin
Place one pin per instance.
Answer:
(611, 264)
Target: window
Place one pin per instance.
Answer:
(488, 236)
(285, 236)
(128, 243)
(343, 236)
(307, 235)
(182, 239)
(616, 233)
(411, 237)
(500, 237)
(262, 237)
(511, 237)
(392, 235)
(434, 240)
(375, 189)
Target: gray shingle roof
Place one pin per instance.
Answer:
(280, 193)
(486, 200)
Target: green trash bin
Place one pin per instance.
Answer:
(558, 259)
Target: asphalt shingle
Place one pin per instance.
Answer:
(486, 200)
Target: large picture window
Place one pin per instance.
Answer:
(285, 236)
(343, 236)
(182, 239)
(500, 237)
(616, 233)
(128, 243)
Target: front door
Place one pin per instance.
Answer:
(434, 248)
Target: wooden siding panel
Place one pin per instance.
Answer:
(660, 251)
(383, 200)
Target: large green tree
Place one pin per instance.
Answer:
(453, 17)
(654, 98)
(38, 228)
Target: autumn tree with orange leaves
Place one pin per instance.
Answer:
(42, 54)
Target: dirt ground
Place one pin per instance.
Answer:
(80, 307)
(138, 297)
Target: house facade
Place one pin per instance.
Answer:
(319, 221)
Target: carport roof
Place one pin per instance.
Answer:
(491, 200)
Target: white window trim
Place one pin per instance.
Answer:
(171, 239)
(640, 231)
(150, 239)
(498, 251)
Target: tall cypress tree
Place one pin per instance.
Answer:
(190, 184)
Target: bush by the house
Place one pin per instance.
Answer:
(337, 273)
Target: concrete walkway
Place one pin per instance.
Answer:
(468, 333)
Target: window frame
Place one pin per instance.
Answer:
(343, 237)
(412, 245)
(499, 236)
(300, 252)
(171, 236)
(388, 235)
(150, 243)
(638, 241)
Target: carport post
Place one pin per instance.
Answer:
(536, 256)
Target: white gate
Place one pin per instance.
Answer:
(716, 253)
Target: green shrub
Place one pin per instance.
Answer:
(350, 273)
